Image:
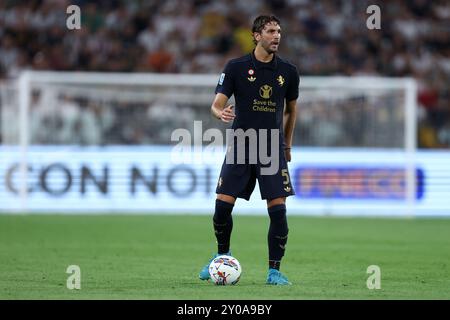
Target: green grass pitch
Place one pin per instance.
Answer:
(159, 257)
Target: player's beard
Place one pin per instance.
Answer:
(267, 46)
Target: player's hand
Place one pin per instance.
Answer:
(287, 154)
(227, 114)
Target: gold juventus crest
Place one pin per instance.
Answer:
(265, 91)
(280, 80)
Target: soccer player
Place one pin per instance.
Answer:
(265, 88)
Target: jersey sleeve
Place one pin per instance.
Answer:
(294, 82)
(226, 82)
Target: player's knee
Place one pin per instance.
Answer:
(226, 198)
(275, 202)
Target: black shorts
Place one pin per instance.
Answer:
(238, 181)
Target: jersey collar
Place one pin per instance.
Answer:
(259, 65)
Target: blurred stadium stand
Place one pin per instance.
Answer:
(199, 36)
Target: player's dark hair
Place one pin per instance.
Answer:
(261, 21)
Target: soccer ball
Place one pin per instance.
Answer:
(225, 270)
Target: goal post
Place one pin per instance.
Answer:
(86, 110)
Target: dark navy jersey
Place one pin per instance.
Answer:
(260, 90)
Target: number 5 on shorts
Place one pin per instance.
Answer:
(285, 174)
